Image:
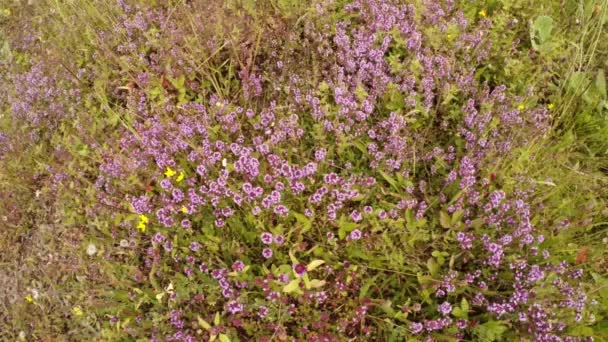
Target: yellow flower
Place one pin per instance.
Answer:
(551, 106)
(29, 299)
(169, 173)
(482, 13)
(180, 177)
(143, 219)
(141, 226)
(77, 311)
(184, 210)
(521, 107)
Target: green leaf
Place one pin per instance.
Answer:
(543, 26)
(306, 281)
(433, 267)
(581, 330)
(458, 313)
(293, 258)
(390, 180)
(293, 286)
(345, 228)
(464, 305)
(366, 285)
(490, 331)
(203, 323)
(477, 223)
(224, 338)
(387, 307)
(316, 283)
(314, 264)
(456, 216)
(445, 220)
(304, 221)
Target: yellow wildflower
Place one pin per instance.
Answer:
(170, 172)
(482, 13)
(141, 226)
(29, 299)
(180, 177)
(184, 210)
(551, 106)
(521, 107)
(143, 219)
(77, 311)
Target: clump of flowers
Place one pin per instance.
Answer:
(347, 164)
(358, 199)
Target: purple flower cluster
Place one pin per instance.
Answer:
(389, 149)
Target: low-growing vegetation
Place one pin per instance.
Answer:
(290, 170)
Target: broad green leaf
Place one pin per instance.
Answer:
(433, 267)
(490, 331)
(316, 283)
(293, 258)
(581, 330)
(464, 305)
(293, 285)
(458, 313)
(543, 26)
(203, 323)
(314, 264)
(390, 180)
(304, 221)
(445, 220)
(456, 216)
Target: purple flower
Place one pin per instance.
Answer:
(445, 308)
(355, 234)
(267, 238)
(356, 216)
(299, 269)
(416, 327)
(320, 154)
(238, 266)
(466, 241)
(166, 184)
(235, 307)
(267, 253)
(279, 239)
(284, 278)
(158, 238)
(281, 210)
(141, 204)
(263, 312)
(195, 246)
